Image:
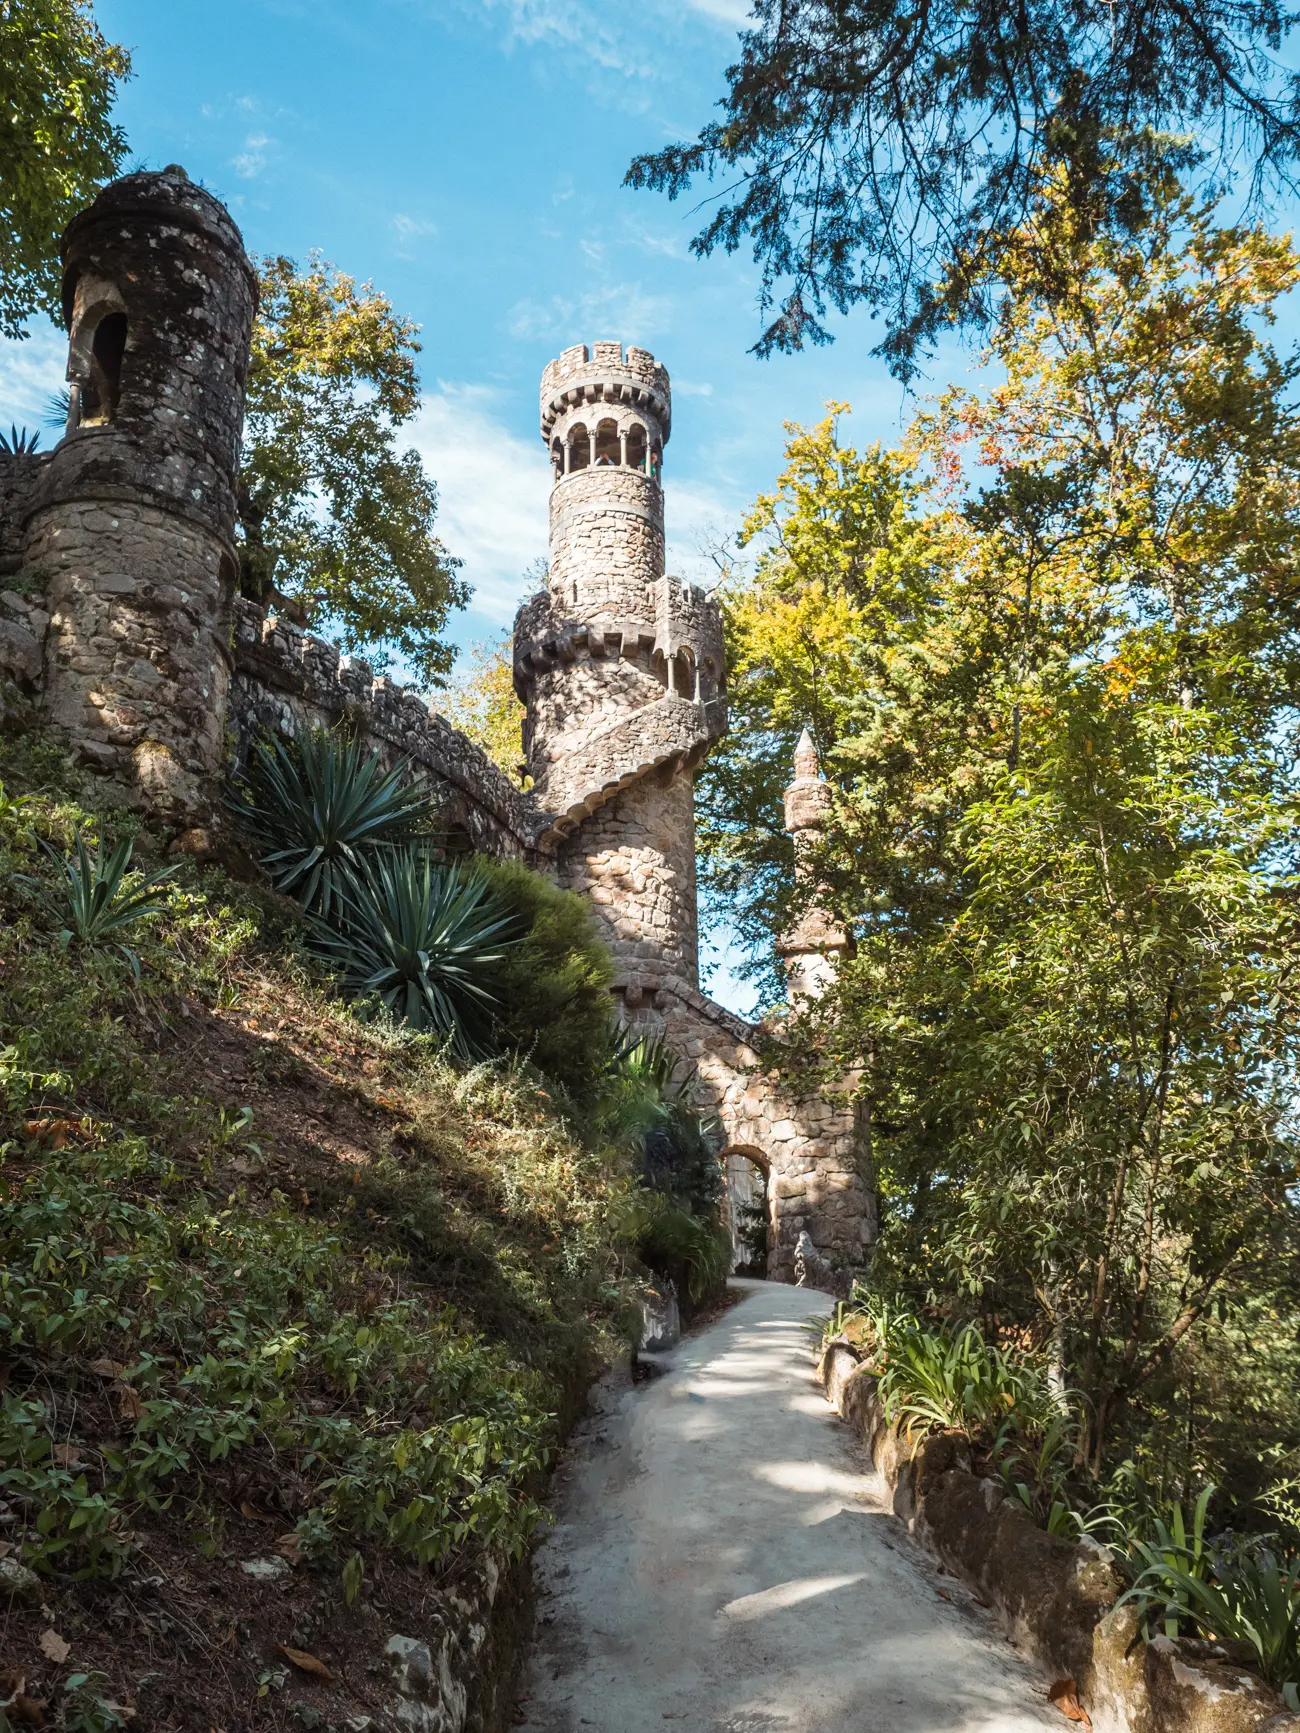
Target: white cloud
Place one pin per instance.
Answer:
(30, 372)
(734, 13)
(688, 388)
(624, 308)
(411, 228)
(493, 489)
(252, 159)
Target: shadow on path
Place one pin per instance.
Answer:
(723, 1562)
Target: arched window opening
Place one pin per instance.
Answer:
(684, 674)
(659, 668)
(607, 447)
(636, 447)
(708, 681)
(456, 842)
(746, 1213)
(656, 461)
(579, 447)
(100, 393)
(95, 368)
(557, 457)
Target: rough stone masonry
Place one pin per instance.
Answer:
(121, 633)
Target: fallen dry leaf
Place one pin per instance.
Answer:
(12, 1683)
(108, 1368)
(943, 1594)
(130, 1403)
(54, 1647)
(288, 1547)
(66, 1455)
(254, 1513)
(28, 1710)
(1063, 1695)
(306, 1663)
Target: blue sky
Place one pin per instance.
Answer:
(467, 156)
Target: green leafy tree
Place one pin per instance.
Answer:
(1059, 718)
(480, 700)
(58, 143)
(334, 514)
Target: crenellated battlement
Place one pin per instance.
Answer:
(677, 636)
(578, 378)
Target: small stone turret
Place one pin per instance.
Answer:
(813, 947)
(619, 665)
(133, 530)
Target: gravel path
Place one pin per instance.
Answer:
(723, 1561)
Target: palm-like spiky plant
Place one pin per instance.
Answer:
(320, 810)
(418, 937)
(20, 442)
(97, 903)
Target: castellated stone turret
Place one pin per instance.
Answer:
(131, 522)
(620, 666)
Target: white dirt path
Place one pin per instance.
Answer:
(724, 1561)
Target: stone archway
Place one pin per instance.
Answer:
(747, 1179)
(813, 1148)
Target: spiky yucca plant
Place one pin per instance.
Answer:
(418, 936)
(319, 810)
(98, 902)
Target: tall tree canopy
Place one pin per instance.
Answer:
(875, 150)
(1050, 649)
(58, 143)
(334, 514)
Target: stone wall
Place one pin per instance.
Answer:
(136, 673)
(286, 680)
(607, 542)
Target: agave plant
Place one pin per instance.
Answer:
(97, 902)
(20, 442)
(320, 810)
(418, 936)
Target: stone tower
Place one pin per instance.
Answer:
(132, 526)
(620, 667)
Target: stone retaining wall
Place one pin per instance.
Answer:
(1054, 1597)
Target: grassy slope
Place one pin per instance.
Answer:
(340, 1331)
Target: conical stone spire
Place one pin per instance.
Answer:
(813, 946)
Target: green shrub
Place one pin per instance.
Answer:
(1241, 1594)
(552, 987)
(691, 1251)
